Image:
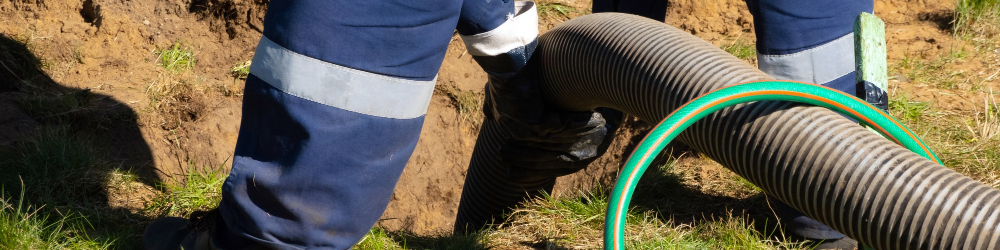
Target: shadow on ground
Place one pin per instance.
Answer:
(665, 191)
(67, 149)
(666, 194)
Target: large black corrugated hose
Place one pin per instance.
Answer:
(811, 158)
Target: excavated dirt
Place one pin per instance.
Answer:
(109, 47)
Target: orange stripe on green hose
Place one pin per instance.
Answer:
(710, 102)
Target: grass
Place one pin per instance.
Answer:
(964, 137)
(240, 70)
(668, 212)
(904, 107)
(56, 165)
(176, 101)
(735, 232)
(24, 227)
(977, 18)
(741, 49)
(18, 65)
(380, 239)
(577, 222)
(554, 9)
(986, 124)
(937, 71)
(550, 223)
(167, 92)
(56, 104)
(200, 190)
(376, 239)
(176, 58)
(467, 103)
(66, 176)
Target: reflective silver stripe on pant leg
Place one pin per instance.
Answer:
(339, 86)
(517, 31)
(818, 65)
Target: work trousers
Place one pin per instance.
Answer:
(338, 91)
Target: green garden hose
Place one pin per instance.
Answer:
(713, 101)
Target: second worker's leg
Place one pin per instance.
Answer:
(809, 41)
(332, 111)
(653, 9)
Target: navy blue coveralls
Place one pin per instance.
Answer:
(333, 108)
(338, 90)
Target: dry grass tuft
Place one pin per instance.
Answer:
(987, 123)
(467, 103)
(556, 10)
(177, 102)
(977, 19)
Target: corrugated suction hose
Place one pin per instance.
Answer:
(817, 161)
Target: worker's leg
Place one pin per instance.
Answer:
(525, 142)
(332, 111)
(488, 193)
(654, 9)
(809, 41)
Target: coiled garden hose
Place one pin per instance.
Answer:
(700, 107)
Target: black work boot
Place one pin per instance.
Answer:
(802, 228)
(174, 233)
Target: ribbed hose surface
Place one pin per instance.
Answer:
(815, 160)
(487, 193)
(811, 158)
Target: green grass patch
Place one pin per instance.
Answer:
(55, 166)
(240, 70)
(965, 140)
(741, 49)
(550, 9)
(24, 227)
(176, 58)
(199, 190)
(380, 239)
(906, 109)
(550, 223)
(67, 181)
(585, 210)
(577, 222)
(735, 232)
(747, 185)
(376, 239)
(726, 232)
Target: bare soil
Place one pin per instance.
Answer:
(109, 48)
